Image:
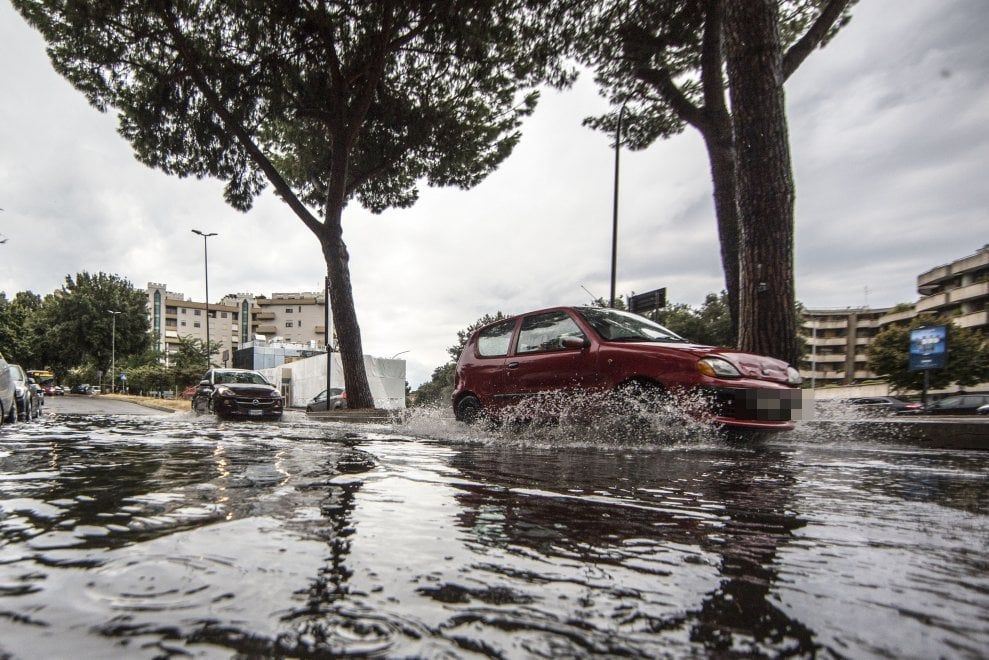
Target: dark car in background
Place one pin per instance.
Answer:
(882, 405)
(8, 403)
(26, 393)
(80, 389)
(957, 404)
(238, 394)
(338, 400)
(605, 350)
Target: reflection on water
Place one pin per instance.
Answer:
(176, 535)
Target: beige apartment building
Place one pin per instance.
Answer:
(836, 343)
(959, 289)
(235, 321)
(837, 339)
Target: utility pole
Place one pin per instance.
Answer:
(206, 269)
(113, 349)
(614, 214)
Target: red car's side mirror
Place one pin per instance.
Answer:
(575, 342)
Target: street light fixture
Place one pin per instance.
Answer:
(113, 349)
(397, 354)
(206, 271)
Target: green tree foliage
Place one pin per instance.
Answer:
(708, 324)
(326, 102)
(439, 388)
(968, 356)
(18, 331)
(665, 63)
(189, 360)
(73, 326)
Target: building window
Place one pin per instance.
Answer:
(157, 320)
(196, 324)
(197, 312)
(244, 309)
(223, 315)
(183, 324)
(299, 323)
(288, 310)
(183, 310)
(288, 324)
(300, 309)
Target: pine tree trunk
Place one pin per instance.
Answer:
(342, 297)
(764, 180)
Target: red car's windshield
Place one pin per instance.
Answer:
(614, 325)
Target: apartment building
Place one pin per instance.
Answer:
(237, 320)
(836, 343)
(959, 290)
(837, 339)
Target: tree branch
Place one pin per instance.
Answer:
(712, 59)
(661, 80)
(804, 46)
(240, 133)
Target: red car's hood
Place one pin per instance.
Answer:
(749, 365)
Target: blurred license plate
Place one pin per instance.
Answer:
(257, 413)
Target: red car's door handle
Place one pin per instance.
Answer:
(513, 365)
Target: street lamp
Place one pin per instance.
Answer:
(397, 354)
(206, 270)
(614, 215)
(113, 348)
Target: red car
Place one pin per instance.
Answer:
(596, 349)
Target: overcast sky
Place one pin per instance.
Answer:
(889, 129)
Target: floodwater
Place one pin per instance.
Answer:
(172, 535)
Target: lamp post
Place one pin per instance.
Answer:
(113, 348)
(614, 215)
(206, 271)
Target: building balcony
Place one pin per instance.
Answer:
(936, 275)
(825, 325)
(974, 320)
(266, 330)
(897, 317)
(961, 294)
(931, 303)
(833, 341)
(264, 316)
(824, 358)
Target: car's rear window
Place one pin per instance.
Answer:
(493, 341)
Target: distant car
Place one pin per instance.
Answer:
(80, 389)
(96, 389)
(238, 394)
(28, 403)
(59, 390)
(605, 350)
(49, 390)
(882, 405)
(338, 400)
(983, 410)
(958, 404)
(8, 402)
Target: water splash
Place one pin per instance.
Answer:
(581, 419)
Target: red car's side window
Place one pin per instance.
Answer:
(493, 341)
(545, 332)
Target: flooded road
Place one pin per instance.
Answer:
(171, 535)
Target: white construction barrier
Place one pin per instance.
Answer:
(302, 380)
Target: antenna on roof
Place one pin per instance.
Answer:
(593, 297)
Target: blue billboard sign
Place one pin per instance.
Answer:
(929, 348)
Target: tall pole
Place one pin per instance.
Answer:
(206, 270)
(327, 337)
(113, 349)
(614, 215)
